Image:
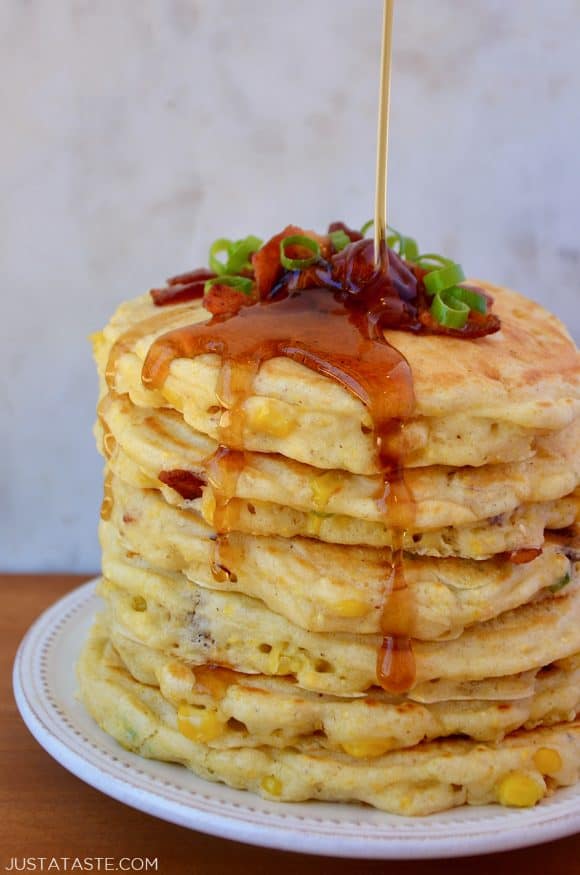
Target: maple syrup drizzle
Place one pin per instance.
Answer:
(316, 328)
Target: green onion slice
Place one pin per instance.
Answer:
(432, 260)
(299, 240)
(438, 280)
(448, 309)
(409, 249)
(406, 247)
(241, 283)
(219, 246)
(339, 239)
(239, 254)
(474, 300)
(366, 227)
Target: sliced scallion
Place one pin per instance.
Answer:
(474, 300)
(339, 239)
(217, 247)
(304, 242)
(239, 254)
(438, 280)
(448, 309)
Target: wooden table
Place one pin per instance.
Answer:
(46, 812)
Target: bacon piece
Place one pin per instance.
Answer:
(477, 325)
(177, 294)
(192, 276)
(186, 483)
(266, 261)
(223, 300)
(183, 287)
(524, 555)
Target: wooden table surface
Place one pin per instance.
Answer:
(47, 812)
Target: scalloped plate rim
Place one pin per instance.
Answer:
(62, 727)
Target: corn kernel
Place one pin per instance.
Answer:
(324, 487)
(547, 761)
(518, 790)
(271, 418)
(370, 748)
(271, 785)
(138, 603)
(350, 608)
(198, 724)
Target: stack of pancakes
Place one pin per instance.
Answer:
(248, 588)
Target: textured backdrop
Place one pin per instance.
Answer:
(134, 132)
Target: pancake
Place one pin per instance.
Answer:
(230, 629)
(159, 443)
(256, 710)
(526, 376)
(424, 779)
(505, 532)
(324, 587)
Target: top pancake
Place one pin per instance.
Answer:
(477, 401)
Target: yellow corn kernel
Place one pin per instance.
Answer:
(324, 487)
(350, 608)
(270, 418)
(271, 785)
(198, 724)
(138, 603)
(519, 790)
(547, 761)
(371, 748)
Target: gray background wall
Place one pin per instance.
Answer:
(136, 131)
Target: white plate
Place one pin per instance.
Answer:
(44, 686)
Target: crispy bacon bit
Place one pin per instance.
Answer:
(177, 294)
(226, 301)
(184, 287)
(186, 483)
(477, 325)
(524, 555)
(266, 261)
(201, 274)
